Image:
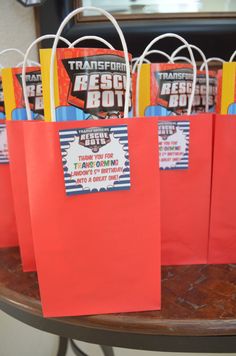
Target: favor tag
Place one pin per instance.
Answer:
(173, 144)
(2, 108)
(95, 159)
(3, 144)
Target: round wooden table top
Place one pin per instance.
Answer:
(198, 310)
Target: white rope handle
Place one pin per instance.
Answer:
(167, 35)
(125, 50)
(96, 38)
(215, 59)
(151, 52)
(184, 59)
(206, 69)
(39, 39)
(232, 57)
(12, 50)
(31, 64)
(137, 58)
(7, 50)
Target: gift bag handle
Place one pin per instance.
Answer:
(96, 38)
(16, 50)
(125, 50)
(135, 59)
(184, 59)
(12, 50)
(232, 57)
(39, 39)
(167, 56)
(156, 39)
(206, 68)
(31, 64)
(216, 59)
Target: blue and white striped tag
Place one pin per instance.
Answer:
(3, 144)
(95, 159)
(173, 144)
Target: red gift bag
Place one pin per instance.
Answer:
(185, 197)
(8, 232)
(17, 166)
(185, 148)
(222, 242)
(20, 193)
(97, 252)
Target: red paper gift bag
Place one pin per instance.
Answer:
(20, 193)
(8, 233)
(185, 196)
(222, 242)
(23, 111)
(185, 148)
(96, 252)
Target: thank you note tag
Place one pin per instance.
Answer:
(95, 159)
(173, 144)
(3, 145)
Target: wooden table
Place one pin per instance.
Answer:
(198, 311)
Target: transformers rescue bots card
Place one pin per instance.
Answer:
(88, 83)
(13, 93)
(170, 86)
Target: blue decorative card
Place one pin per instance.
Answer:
(3, 144)
(173, 144)
(95, 159)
